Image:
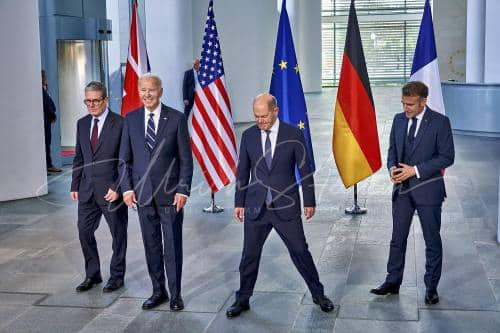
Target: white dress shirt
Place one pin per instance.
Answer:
(156, 118)
(273, 136)
(100, 123)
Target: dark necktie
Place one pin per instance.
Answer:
(268, 156)
(411, 133)
(94, 138)
(150, 133)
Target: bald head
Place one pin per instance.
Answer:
(265, 110)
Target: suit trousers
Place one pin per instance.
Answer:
(89, 217)
(292, 234)
(162, 225)
(403, 208)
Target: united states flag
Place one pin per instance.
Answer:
(211, 121)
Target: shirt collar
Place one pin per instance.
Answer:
(103, 116)
(274, 128)
(421, 114)
(156, 111)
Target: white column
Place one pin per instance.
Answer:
(22, 148)
(307, 38)
(491, 44)
(247, 32)
(170, 48)
(474, 66)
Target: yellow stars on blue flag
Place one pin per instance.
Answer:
(283, 64)
(301, 125)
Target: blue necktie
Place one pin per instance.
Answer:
(268, 156)
(150, 133)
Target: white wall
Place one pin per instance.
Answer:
(247, 32)
(22, 148)
(168, 39)
(491, 42)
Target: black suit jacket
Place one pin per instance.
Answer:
(168, 169)
(433, 150)
(254, 177)
(94, 173)
(188, 86)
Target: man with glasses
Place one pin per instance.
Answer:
(95, 186)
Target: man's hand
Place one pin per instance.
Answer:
(186, 102)
(393, 171)
(74, 196)
(179, 201)
(239, 212)
(403, 173)
(111, 196)
(309, 212)
(129, 199)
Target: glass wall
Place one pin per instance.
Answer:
(389, 31)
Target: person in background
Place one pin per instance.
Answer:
(188, 87)
(49, 117)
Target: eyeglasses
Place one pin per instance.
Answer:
(89, 102)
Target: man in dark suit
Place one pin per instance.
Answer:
(421, 147)
(156, 171)
(188, 87)
(95, 186)
(49, 117)
(267, 197)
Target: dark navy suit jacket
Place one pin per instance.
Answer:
(433, 151)
(188, 86)
(94, 173)
(168, 169)
(254, 177)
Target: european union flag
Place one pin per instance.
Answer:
(286, 85)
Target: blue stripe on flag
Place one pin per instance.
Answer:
(425, 51)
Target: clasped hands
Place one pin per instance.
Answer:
(131, 201)
(401, 173)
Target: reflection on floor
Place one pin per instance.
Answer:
(41, 262)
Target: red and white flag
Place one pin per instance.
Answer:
(211, 121)
(137, 65)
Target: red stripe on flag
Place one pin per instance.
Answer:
(359, 112)
(223, 92)
(203, 166)
(210, 154)
(213, 131)
(220, 115)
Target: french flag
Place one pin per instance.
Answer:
(425, 62)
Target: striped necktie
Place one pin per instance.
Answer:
(150, 133)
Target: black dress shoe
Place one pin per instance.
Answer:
(177, 304)
(154, 301)
(237, 308)
(386, 288)
(431, 297)
(112, 285)
(88, 284)
(324, 303)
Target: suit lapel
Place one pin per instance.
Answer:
(421, 130)
(261, 161)
(161, 124)
(278, 148)
(108, 124)
(401, 136)
(85, 135)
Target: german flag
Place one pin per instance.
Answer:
(355, 142)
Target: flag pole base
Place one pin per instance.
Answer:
(355, 210)
(213, 208)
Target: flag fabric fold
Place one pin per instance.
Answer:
(425, 61)
(286, 85)
(355, 142)
(211, 121)
(137, 65)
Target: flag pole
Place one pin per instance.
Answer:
(355, 209)
(213, 208)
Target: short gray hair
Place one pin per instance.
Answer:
(97, 86)
(151, 77)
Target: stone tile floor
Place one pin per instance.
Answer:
(41, 262)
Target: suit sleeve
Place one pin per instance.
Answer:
(392, 158)
(185, 86)
(77, 162)
(185, 158)
(125, 160)
(116, 185)
(306, 174)
(242, 174)
(445, 153)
